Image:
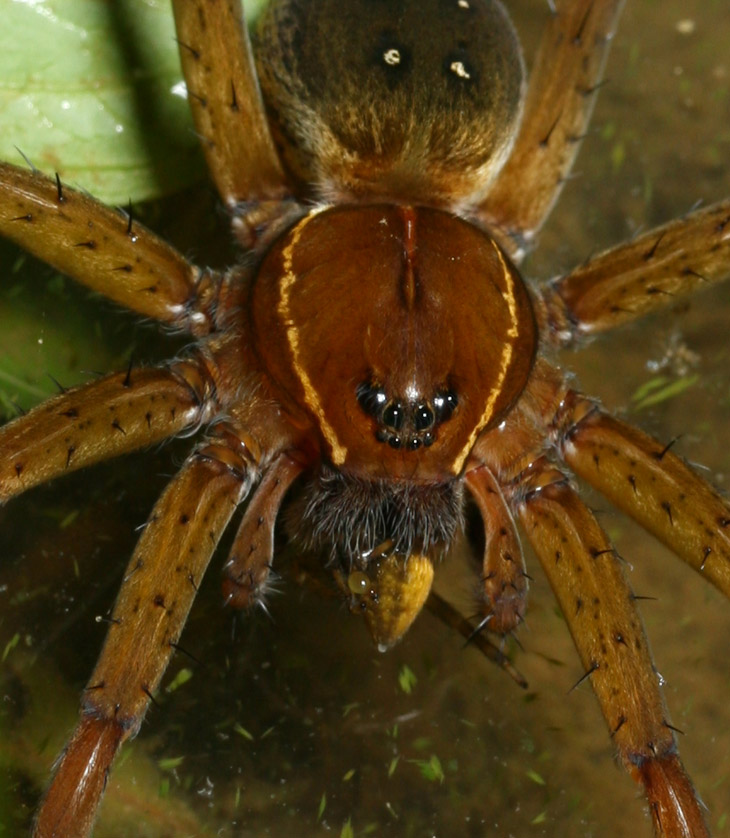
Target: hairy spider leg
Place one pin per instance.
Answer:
(561, 94)
(650, 483)
(586, 575)
(638, 474)
(661, 493)
(229, 114)
(504, 577)
(249, 565)
(102, 248)
(160, 584)
(100, 420)
(640, 276)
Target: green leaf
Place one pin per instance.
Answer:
(241, 731)
(407, 679)
(322, 806)
(170, 763)
(182, 677)
(658, 390)
(536, 778)
(649, 387)
(58, 341)
(431, 769)
(93, 90)
(10, 645)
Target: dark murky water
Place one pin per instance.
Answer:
(294, 725)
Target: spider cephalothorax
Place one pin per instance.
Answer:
(377, 353)
(396, 309)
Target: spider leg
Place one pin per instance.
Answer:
(452, 618)
(562, 91)
(503, 570)
(101, 248)
(97, 421)
(640, 276)
(247, 569)
(226, 102)
(651, 484)
(160, 584)
(600, 610)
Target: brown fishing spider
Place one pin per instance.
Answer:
(376, 353)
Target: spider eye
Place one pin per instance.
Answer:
(371, 398)
(408, 424)
(393, 416)
(444, 404)
(423, 417)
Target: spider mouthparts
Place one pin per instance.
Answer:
(390, 594)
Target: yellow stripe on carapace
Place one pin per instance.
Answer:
(504, 363)
(339, 452)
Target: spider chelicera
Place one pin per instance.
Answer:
(396, 397)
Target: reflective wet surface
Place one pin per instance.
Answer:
(293, 723)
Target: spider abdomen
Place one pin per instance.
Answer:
(417, 98)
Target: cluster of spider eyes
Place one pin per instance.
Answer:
(405, 423)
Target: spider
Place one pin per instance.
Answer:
(382, 435)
